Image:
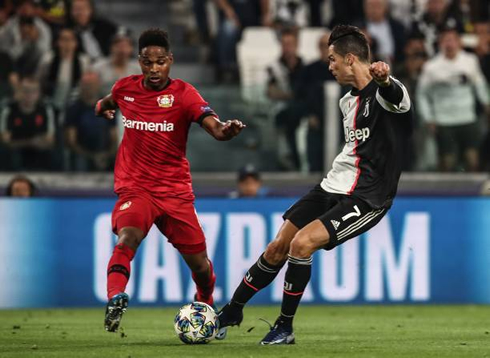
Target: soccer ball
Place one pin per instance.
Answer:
(196, 323)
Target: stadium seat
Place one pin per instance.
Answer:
(259, 36)
(253, 64)
(308, 43)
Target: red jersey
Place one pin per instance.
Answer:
(152, 153)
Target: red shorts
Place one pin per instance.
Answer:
(175, 218)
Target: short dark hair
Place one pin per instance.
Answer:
(248, 171)
(27, 77)
(154, 37)
(26, 20)
(289, 31)
(350, 39)
(444, 30)
(21, 178)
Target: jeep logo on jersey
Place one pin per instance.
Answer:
(165, 100)
(148, 126)
(360, 134)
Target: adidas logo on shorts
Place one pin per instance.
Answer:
(335, 224)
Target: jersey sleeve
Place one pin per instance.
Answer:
(394, 98)
(196, 107)
(116, 91)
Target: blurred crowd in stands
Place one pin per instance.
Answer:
(58, 57)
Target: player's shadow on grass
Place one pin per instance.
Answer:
(161, 343)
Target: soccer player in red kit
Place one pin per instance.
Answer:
(152, 176)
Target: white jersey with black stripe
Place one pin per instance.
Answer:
(375, 131)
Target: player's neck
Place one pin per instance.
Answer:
(149, 87)
(361, 77)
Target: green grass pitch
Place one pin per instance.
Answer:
(321, 331)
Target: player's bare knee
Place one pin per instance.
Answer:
(301, 246)
(199, 265)
(129, 238)
(276, 252)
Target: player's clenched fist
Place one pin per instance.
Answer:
(380, 72)
(100, 111)
(109, 114)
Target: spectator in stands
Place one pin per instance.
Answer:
(482, 30)
(95, 33)
(92, 142)
(388, 33)
(236, 15)
(435, 17)
(121, 62)
(485, 151)
(60, 69)
(290, 14)
(284, 79)
(417, 150)
(470, 13)
(449, 87)
(6, 8)
(25, 37)
(415, 56)
(406, 11)
(346, 12)
(249, 184)
(311, 90)
(27, 128)
(53, 12)
(8, 76)
(316, 12)
(483, 51)
(21, 186)
(201, 16)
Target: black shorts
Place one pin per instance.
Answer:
(344, 216)
(455, 140)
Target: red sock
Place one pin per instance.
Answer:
(119, 269)
(205, 285)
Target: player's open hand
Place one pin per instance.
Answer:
(232, 128)
(380, 72)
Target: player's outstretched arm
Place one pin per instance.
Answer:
(388, 89)
(106, 107)
(220, 130)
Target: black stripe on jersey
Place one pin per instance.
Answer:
(204, 115)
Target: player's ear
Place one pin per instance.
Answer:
(171, 57)
(349, 59)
